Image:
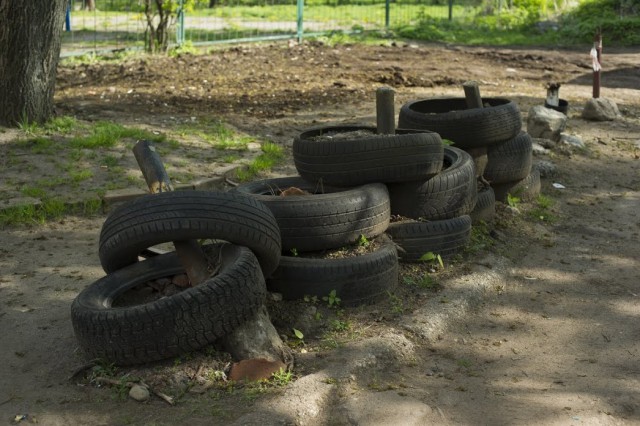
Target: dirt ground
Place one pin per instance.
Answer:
(543, 327)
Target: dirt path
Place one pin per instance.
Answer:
(543, 328)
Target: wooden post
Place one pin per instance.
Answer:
(385, 111)
(190, 253)
(597, 45)
(472, 94)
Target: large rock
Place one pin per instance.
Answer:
(572, 141)
(600, 109)
(545, 123)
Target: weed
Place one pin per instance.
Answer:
(230, 158)
(426, 282)
(339, 326)
(333, 301)
(397, 305)
(28, 127)
(109, 161)
(80, 175)
(480, 238)
(363, 241)
(281, 377)
(513, 201)
(35, 192)
(106, 135)
(432, 258)
(294, 252)
(542, 210)
(464, 363)
(298, 334)
(40, 145)
(310, 299)
(272, 154)
(63, 124)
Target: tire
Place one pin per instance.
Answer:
(356, 280)
(444, 237)
(510, 161)
(189, 215)
(467, 128)
(485, 209)
(172, 325)
(367, 159)
(450, 194)
(526, 189)
(328, 218)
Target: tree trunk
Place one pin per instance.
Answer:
(29, 52)
(89, 4)
(212, 3)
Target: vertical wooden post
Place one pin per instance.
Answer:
(472, 94)
(385, 111)
(597, 45)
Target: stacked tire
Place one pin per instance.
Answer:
(249, 248)
(492, 136)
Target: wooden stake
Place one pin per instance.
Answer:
(472, 94)
(385, 112)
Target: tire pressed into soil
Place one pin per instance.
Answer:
(366, 159)
(451, 193)
(356, 280)
(189, 215)
(509, 161)
(485, 209)
(497, 122)
(526, 189)
(167, 327)
(328, 217)
(444, 237)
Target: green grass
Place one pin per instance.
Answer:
(272, 155)
(106, 135)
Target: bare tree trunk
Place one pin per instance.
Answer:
(89, 4)
(212, 3)
(29, 52)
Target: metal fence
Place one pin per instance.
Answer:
(121, 24)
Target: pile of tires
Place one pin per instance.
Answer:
(492, 135)
(130, 333)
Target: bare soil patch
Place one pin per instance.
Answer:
(538, 324)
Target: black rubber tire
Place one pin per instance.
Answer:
(450, 194)
(370, 159)
(356, 280)
(329, 218)
(485, 209)
(526, 189)
(444, 237)
(189, 215)
(509, 161)
(172, 325)
(497, 122)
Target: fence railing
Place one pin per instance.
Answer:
(121, 24)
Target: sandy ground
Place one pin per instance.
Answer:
(542, 328)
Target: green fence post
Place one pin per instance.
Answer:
(300, 20)
(180, 27)
(387, 8)
(451, 10)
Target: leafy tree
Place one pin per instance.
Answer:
(161, 16)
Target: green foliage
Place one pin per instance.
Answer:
(513, 201)
(299, 335)
(432, 258)
(281, 377)
(105, 135)
(272, 155)
(363, 241)
(63, 124)
(333, 301)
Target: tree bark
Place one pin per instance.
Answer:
(29, 52)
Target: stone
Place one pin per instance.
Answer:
(539, 149)
(572, 141)
(545, 123)
(546, 168)
(545, 143)
(388, 408)
(600, 109)
(139, 393)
